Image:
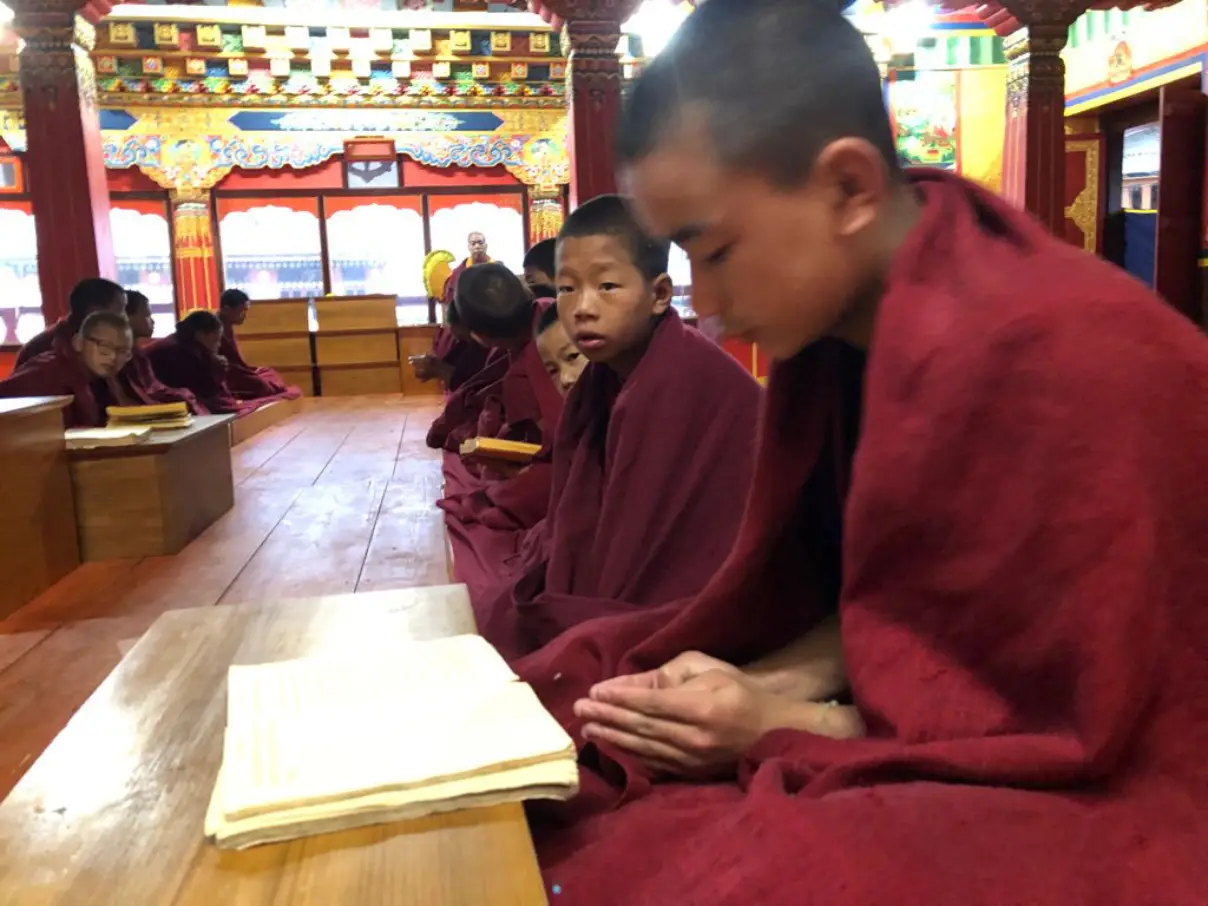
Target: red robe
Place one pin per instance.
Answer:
(186, 364)
(466, 357)
(59, 332)
(139, 381)
(61, 372)
(648, 485)
(1022, 611)
(247, 382)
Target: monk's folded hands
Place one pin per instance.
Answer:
(700, 728)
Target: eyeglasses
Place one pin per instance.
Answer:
(120, 351)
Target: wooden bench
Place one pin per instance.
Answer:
(262, 419)
(112, 812)
(37, 532)
(153, 498)
(416, 340)
(356, 346)
(276, 334)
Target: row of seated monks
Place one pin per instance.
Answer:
(922, 624)
(102, 355)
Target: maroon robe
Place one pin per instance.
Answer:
(139, 381)
(1022, 611)
(648, 486)
(184, 363)
(466, 357)
(61, 372)
(61, 331)
(247, 382)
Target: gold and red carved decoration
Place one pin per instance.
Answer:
(1006, 17)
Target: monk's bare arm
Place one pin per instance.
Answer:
(809, 669)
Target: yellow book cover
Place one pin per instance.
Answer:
(504, 450)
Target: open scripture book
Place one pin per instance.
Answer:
(159, 416)
(334, 742)
(90, 438)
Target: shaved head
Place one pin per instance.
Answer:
(772, 82)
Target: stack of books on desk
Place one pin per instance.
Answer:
(160, 416)
(329, 743)
(90, 438)
(490, 448)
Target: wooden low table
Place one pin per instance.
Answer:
(112, 813)
(37, 531)
(155, 497)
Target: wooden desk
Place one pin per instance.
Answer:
(153, 498)
(112, 813)
(37, 514)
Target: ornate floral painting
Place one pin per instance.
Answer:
(924, 114)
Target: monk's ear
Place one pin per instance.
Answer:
(77, 343)
(663, 290)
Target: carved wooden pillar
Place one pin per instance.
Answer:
(193, 258)
(63, 136)
(1034, 145)
(545, 213)
(594, 89)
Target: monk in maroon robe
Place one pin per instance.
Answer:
(653, 456)
(93, 294)
(959, 652)
(521, 501)
(189, 359)
(84, 369)
(454, 359)
(138, 378)
(246, 382)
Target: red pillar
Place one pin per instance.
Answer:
(66, 169)
(193, 253)
(594, 90)
(1033, 161)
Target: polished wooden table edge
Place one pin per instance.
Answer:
(30, 405)
(160, 441)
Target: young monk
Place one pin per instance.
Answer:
(511, 398)
(189, 359)
(92, 294)
(84, 369)
(539, 265)
(453, 360)
(136, 383)
(520, 502)
(245, 381)
(978, 526)
(562, 360)
(654, 453)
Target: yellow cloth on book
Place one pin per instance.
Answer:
(158, 416)
(493, 448)
(333, 742)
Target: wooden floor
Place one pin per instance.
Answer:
(337, 499)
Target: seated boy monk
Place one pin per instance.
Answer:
(189, 359)
(246, 382)
(654, 454)
(539, 265)
(92, 294)
(454, 359)
(84, 369)
(521, 501)
(511, 398)
(136, 382)
(1005, 577)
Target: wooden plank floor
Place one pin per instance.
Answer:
(336, 499)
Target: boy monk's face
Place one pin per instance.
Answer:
(563, 361)
(605, 303)
(535, 276)
(105, 350)
(779, 265)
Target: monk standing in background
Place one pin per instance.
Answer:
(137, 383)
(93, 294)
(974, 517)
(454, 361)
(246, 382)
(84, 369)
(653, 457)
